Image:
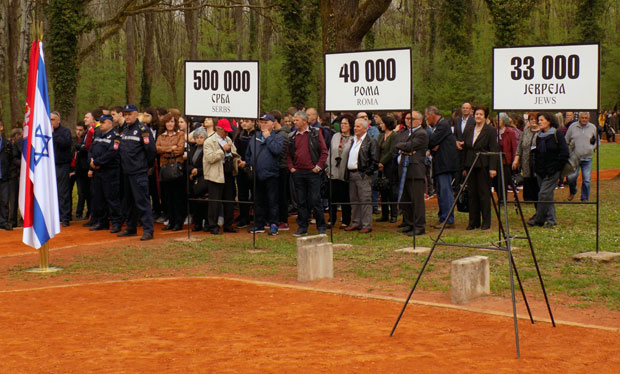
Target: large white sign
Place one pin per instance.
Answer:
(553, 77)
(370, 80)
(222, 88)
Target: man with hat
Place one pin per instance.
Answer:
(104, 165)
(264, 155)
(137, 151)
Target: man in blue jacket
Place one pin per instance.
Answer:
(442, 144)
(264, 155)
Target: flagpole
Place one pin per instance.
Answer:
(44, 261)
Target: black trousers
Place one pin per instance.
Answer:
(64, 191)
(479, 190)
(83, 187)
(221, 191)
(414, 215)
(245, 186)
(13, 200)
(157, 200)
(387, 195)
(340, 194)
(106, 204)
(4, 201)
(136, 189)
(283, 188)
(266, 202)
(174, 191)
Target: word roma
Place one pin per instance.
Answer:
(366, 91)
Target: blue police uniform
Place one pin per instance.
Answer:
(137, 151)
(104, 154)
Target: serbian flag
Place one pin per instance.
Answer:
(38, 196)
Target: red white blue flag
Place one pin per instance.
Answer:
(38, 196)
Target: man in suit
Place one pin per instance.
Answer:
(442, 144)
(466, 120)
(412, 143)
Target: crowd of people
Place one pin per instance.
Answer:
(135, 168)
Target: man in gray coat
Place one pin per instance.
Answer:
(582, 141)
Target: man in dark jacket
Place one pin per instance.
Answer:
(81, 171)
(411, 146)
(17, 141)
(307, 154)
(442, 144)
(361, 164)
(6, 156)
(62, 157)
(284, 177)
(137, 151)
(264, 155)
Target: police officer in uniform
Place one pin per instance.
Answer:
(104, 161)
(137, 150)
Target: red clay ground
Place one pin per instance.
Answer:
(215, 325)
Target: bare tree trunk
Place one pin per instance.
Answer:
(166, 37)
(15, 99)
(240, 28)
(148, 60)
(130, 60)
(266, 32)
(191, 25)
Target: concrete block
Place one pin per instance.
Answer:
(597, 257)
(303, 241)
(418, 250)
(315, 260)
(469, 278)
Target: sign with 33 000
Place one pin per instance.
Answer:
(369, 80)
(554, 77)
(222, 88)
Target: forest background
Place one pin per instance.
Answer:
(112, 52)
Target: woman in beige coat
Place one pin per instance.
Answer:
(220, 162)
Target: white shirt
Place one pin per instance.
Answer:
(354, 152)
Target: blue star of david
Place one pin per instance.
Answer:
(44, 141)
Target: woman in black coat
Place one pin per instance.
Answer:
(480, 138)
(550, 156)
(197, 183)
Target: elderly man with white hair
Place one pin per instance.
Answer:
(361, 164)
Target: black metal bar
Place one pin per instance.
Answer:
(506, 238)
(473, 246)
(433, 247)
(187, 178)
(598, 183)
(554, 202)
(529, 240)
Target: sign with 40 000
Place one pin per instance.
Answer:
(557, 77)
(222, 88)
(368, 80)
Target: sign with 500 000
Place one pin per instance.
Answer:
(369, 80)
(552, 77)
(222, 88)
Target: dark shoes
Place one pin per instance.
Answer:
(532, 222)
(417, 232)
(115, 229)
(300, 232)
(439, 224)
(167, 227)
(393, 220)
(229, 229)
(127, 233)
(7, 227)
(98, 227)
(548, 225)
(64, 223)
(177, 228)
(383, 219)
(471, 227)
(88, 224)
(146, 236)
(197, 228)
(405, 228)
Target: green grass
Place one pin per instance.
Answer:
(609, 158)
(373, 261)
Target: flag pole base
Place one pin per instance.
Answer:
(44, 261)
(43, 270)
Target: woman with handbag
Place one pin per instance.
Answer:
(336, 169)
(480, 138)
(170, 147)
(220, 163)
(197, 182)
(387, 181)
